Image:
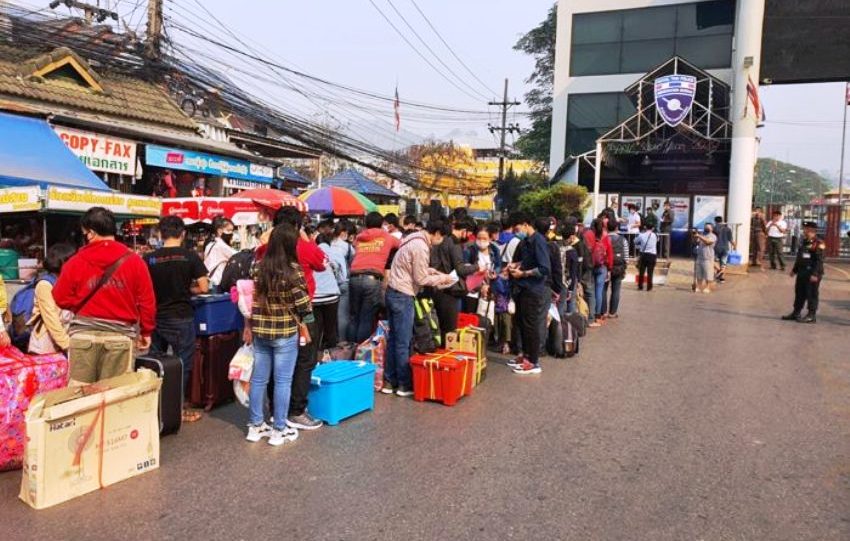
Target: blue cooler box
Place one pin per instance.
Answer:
(216, 314)
(341, 389)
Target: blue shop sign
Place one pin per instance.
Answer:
(207, 164)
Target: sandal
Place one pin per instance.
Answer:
(191, 416)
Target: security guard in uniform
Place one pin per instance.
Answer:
(808, 267)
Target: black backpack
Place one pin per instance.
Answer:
(617, 243)
(238, 267)
(426, 327)
(585, 257)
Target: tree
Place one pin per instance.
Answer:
(539, 43)
(560, 200)
(509, 190)
(780, 182)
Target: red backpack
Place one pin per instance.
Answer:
(599, 254)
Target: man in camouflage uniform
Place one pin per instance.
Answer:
(808, 267)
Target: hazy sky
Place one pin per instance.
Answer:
(349, 42)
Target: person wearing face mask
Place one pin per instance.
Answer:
(218, 252)
(704, 267)
(529, 272)
(485, 255)
(447, 257)
(109, 289)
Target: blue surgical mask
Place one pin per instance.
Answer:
(521, 235)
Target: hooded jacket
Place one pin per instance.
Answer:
(127, 297)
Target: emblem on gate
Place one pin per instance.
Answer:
(674, 96)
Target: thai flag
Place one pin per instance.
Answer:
(397, 110)
(753, 97)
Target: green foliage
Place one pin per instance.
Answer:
(560, 200)
(772, 183)
(539, 42)
(508, 191)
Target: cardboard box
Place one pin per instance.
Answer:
(472, 340)
(85, 438)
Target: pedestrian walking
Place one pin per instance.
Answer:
(647, 246)
(372, 248)
(704, 265)
(109, 289)
(776, 229)
(722, 247)
(409, 273)
(279, 315)
(808, 268)
(177, 274)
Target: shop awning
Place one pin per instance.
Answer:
(31, 154)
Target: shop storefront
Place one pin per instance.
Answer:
(185, 173)
(112, 159)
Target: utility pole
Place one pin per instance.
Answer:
(92, 12)
(504, 129)
(154, 34)
(843, 140)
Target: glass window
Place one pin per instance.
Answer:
(649, 23)
(595, 59)
(603, 27)
(637, 40)
(642, 56)
(705, 18)
(706, 52)
(590, 116)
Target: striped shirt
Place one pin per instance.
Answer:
(276, 317)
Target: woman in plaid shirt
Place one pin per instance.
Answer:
(281, 302)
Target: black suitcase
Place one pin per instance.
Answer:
(170, 369)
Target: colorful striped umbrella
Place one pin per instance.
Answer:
(338, 201)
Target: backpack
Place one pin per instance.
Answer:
(426, 328)
(238, 267)
(21, 309)
(618, 242)
(584, 256)
(599, 254)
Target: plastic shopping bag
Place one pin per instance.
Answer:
(240, 372)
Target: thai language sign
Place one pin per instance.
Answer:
(20, 199)
(65, 199)
(100, 152)
(207, 164)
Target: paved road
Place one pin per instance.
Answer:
(692, 417)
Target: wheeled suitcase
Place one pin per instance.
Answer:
(169, 368)
(571, 338)
(555, 340)
(210, 385)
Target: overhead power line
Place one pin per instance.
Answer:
(451, 50)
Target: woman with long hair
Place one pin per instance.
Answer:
(218, 251)
(281, 307)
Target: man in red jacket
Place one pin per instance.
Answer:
(110, 314)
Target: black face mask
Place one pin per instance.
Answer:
(227, 237)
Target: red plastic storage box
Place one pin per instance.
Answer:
(443, 376)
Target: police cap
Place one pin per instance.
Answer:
(813, 225)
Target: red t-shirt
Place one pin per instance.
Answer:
(372, 250)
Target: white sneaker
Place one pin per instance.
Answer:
(279, 437)
(256, 433)
(706, 291)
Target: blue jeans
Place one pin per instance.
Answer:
(343, 312)
(272, 357)
(179, 335)
(614, 285)
(400, 315)
(599, 275)
(364, 302)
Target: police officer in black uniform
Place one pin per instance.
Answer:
(808, 267)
